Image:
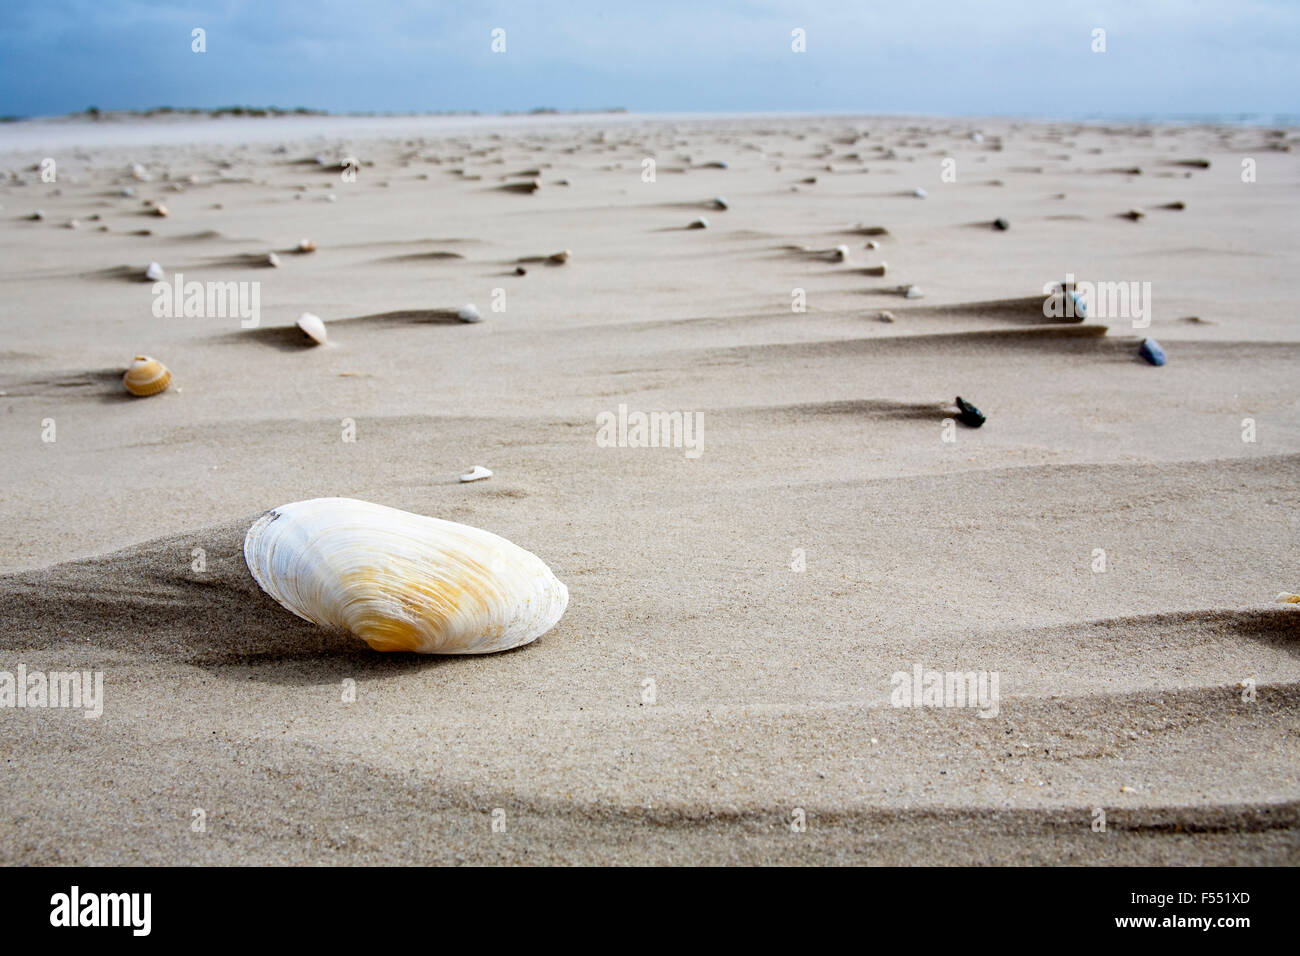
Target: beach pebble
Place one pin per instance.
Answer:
(871, 244)
(140, 173)
(161, 210)
(969, 414)
(37, 216)
(477, 473)
(1001, 224)
(469, 313)
(559, 258)
(1177, 204)
(700, 223)
(719, 203)
(912, 292)
(273, 260)
(885, 316)
(1135, 214)
(128, 192)
(919, 193)
(840, 254)
(877, 270)
(154, 273)
(73, 224)
(306, 245)
(520, 271)
(1152, 352)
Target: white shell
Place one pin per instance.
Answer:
(154, 273)
(918, 192)
(476, 473)
(273, 260)
(401, 581)
(469, 313)
(313, 327)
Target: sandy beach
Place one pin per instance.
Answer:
(721, 688)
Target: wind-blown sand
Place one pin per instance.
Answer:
(822, 431)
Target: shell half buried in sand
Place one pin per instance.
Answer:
(146, 376)
(401, 581)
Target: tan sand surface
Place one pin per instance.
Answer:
(823, 434)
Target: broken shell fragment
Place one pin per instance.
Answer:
(306, 245)
(477, 473)
(313, 326)
(700, 223)
(273, 260)
(402, 581)
(154, 272)
(969, 414)
(1287, 598)
(719, 203)
(146, 376)
(469, 313)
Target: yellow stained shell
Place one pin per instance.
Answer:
(402, 581)
(146, 376)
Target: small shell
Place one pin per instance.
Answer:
(160, 210)
(306, 245)
(719, 203)
(313, 327)
(273, 260)
(154, 272)
(840, 254)
(469, 313)
(559, 258)
(402, 581)
(919, 193)
(912, 292)
(146, 376)
(477, 473)
(700, 223)
(1287, 598)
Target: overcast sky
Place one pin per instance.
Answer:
(959, 57)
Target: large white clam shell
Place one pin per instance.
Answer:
(402, 581)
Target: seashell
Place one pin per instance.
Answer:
(313, 327)
(1151, 351)
(128, 192)
(560, 257)
(402, 581)
(140, 173)
(719, 203)
(919, 193)
(477, 473)
(840, 254)
(911, 292)
(306, 245)
(273, 260)
(969, 414)
(469, 313)
(73, 224)
(154, 272)
(1287, 598)
(146, 376)
(160, 210)
(700, 223)
(871, 244)
(875, 270)
(885, 316)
